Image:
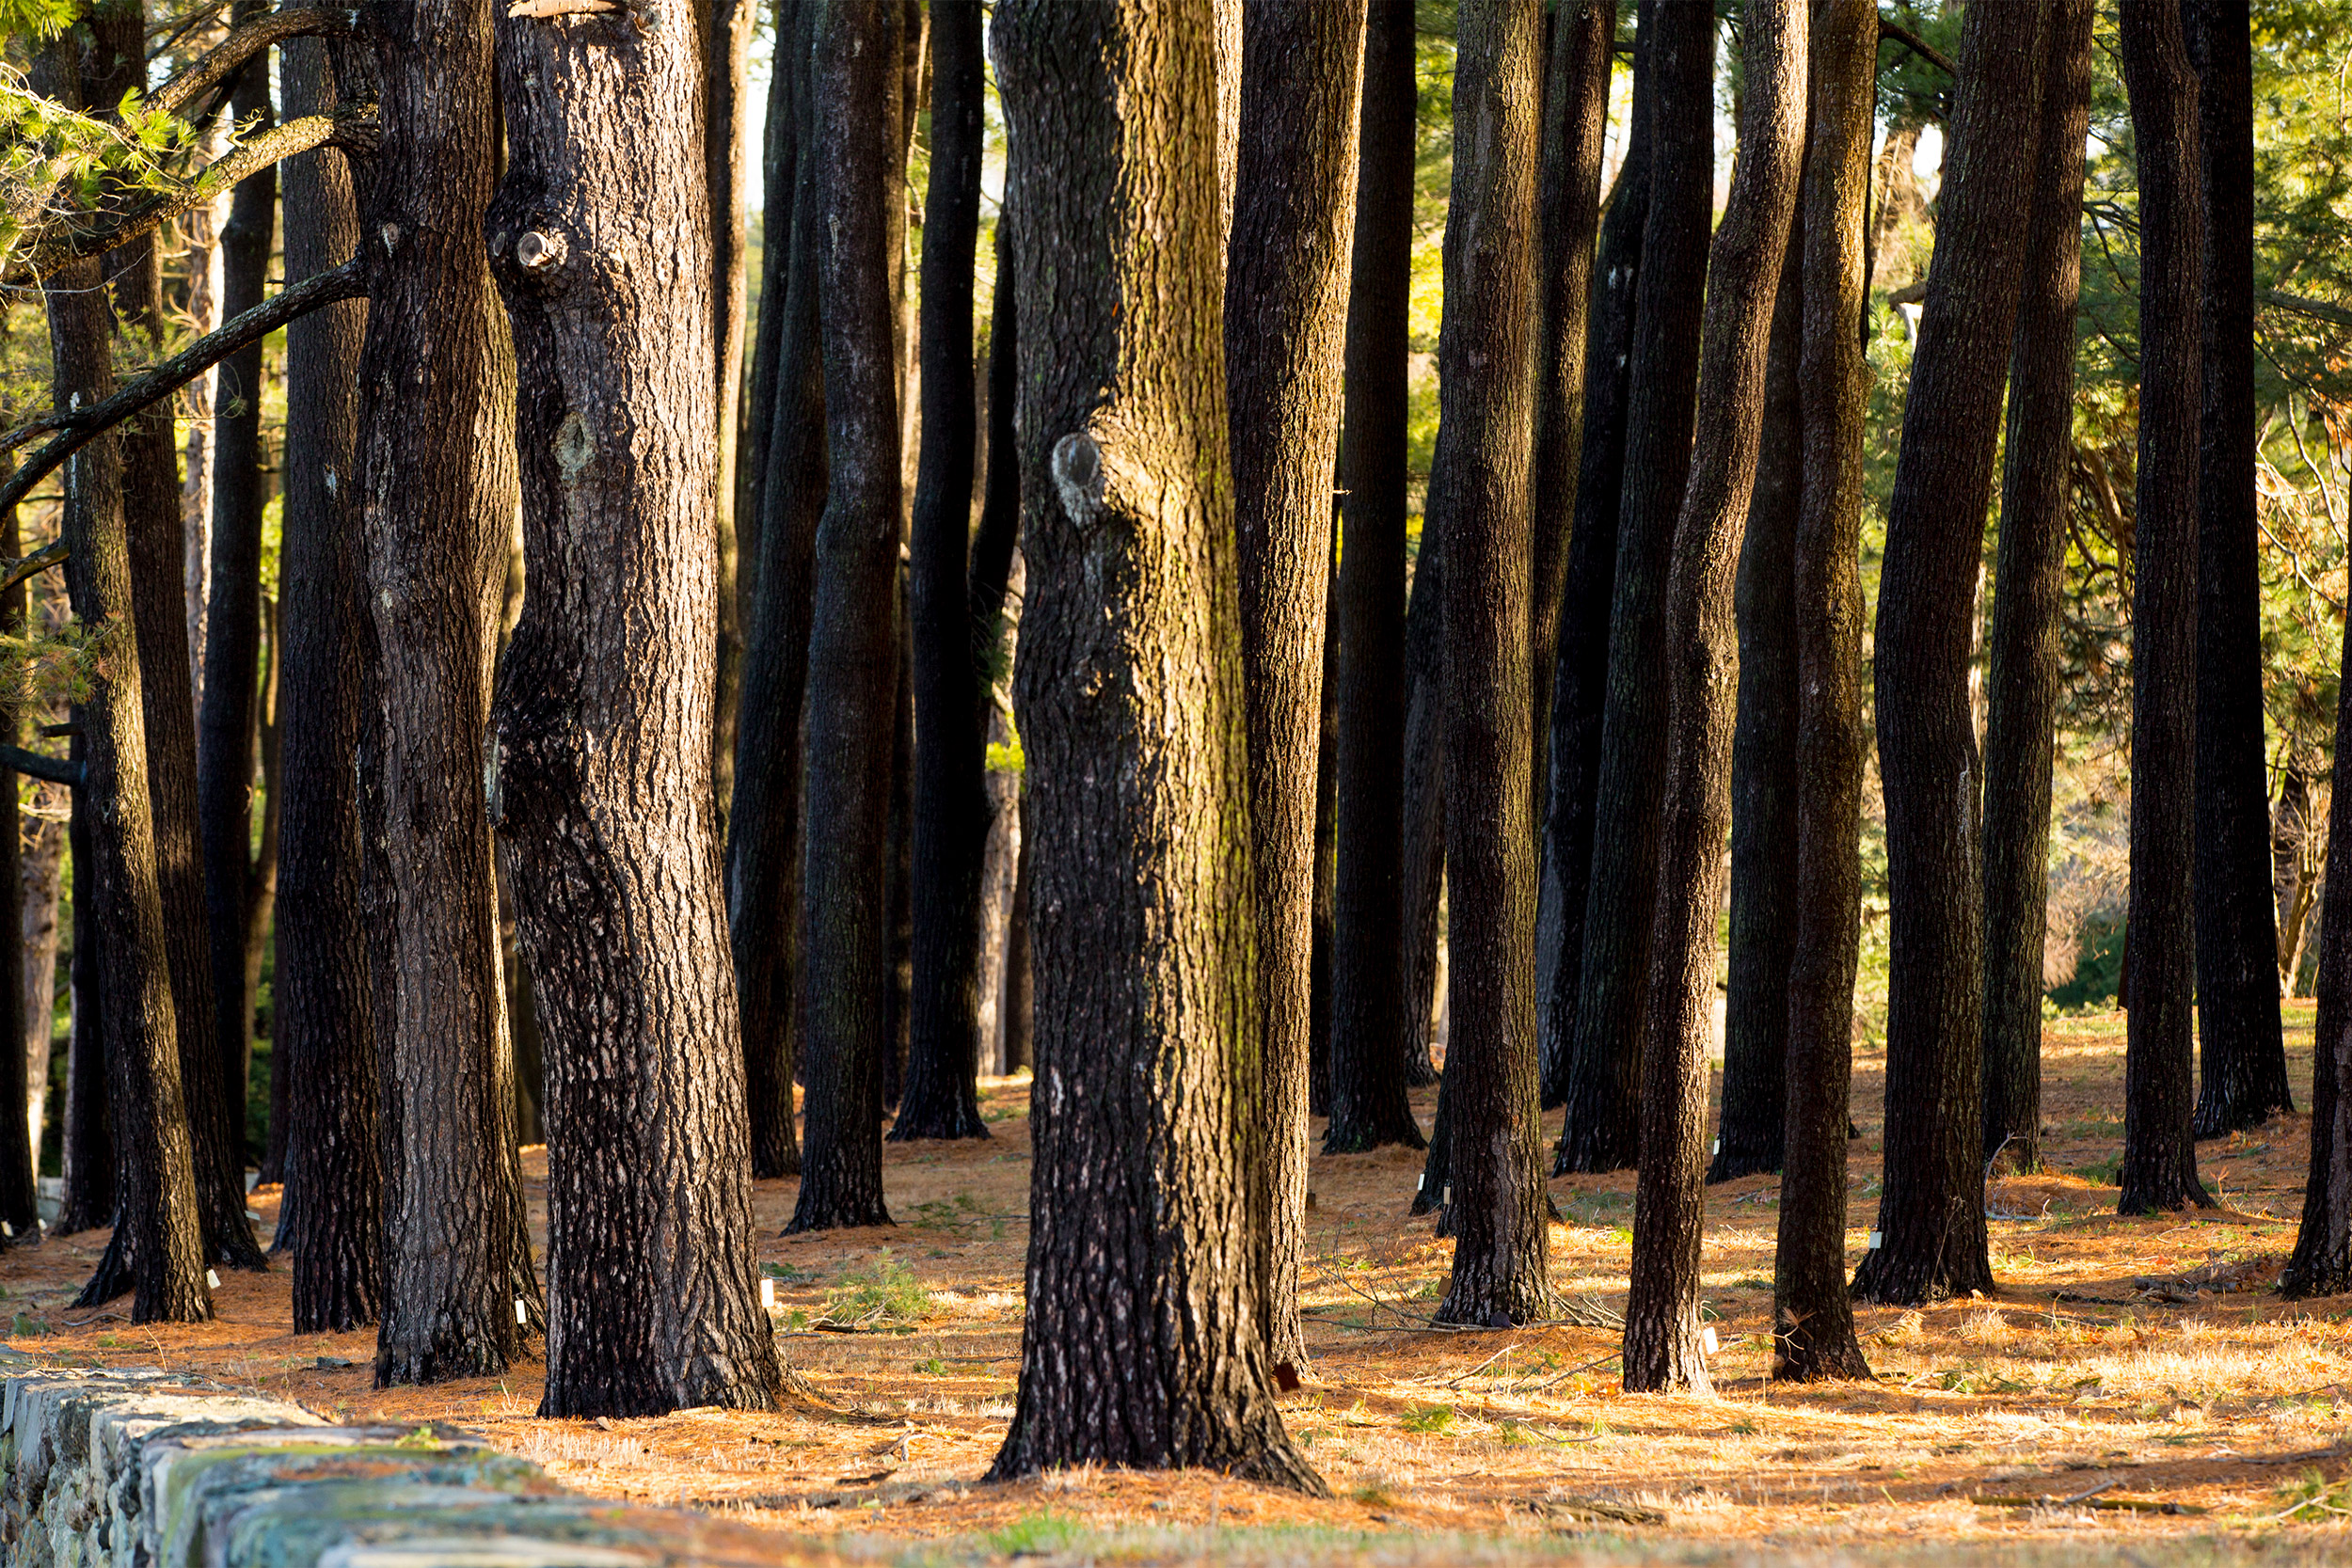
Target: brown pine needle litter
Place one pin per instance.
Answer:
(2136, 1391)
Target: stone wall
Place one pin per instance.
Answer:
(132, 1469)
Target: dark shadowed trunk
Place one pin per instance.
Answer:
(600, 733)
(853, 641)
(1373, 1029)
(779, 164)
(1486, 362)
(1322, 912)
(20, 1153)
(1286, 336)
(1141, 1344)
(1422, 849)
(1603, 1127)
(1662, 1345)
(2320, 1264)
(1813, 1335)
(85, 1133)
(2159, 1169)
(438, 461)
(725, 95)
(2241, 1056)
(1932, 1215)
(2022, 686)
(950, 744)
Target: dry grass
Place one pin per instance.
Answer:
(1483, 1446)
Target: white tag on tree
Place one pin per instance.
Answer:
(211, 1279)
(1718, 1149)
(523, 1313)
(1707, 1337)
(1449, 1194)
(768, 1294)
(1877, 1239)
(1420, 1181)
(7, 1229)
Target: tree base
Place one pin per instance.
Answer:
(941, 1123)
(820, 1213)
(1382, 1133)
(1731, 1164)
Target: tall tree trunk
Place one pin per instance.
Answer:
(852, 650)
(725, 67)
(1662, 1347)
(2023, 684)
(2321, 1263)
(1371, 1025)
(2241, 1056)
(763, 864)
(438, 460)
(260, 886)
(951, 815)
(43, 876)
(20, 1139)
(1486, 362)
(1602, 1128)
(779, 162)
(85, 1133)
(1422, 849)
(1285, 335)
(1763, 932)
(1813, 1335)
(1571, 731)
(1322, 899)
(1931, 1215)
(322, 1041)
(1020, 1021)
(600, 732)
(1131, 705)
(2159, 1169)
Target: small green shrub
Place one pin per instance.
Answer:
(882, 1292)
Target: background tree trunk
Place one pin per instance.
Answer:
(43, 876)
(2023, 683)
(87, 1136)
(1131, 707)
(1602, 1128)
(725, 68)
(2159, 1169)
(1931, 1215)
(20, 1140)
(1422, 848)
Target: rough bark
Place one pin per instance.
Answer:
(1602, 1128)
(2241, 1056)
(1141, 1344)
(764, 827)
(951, 814)
(853, 642)
(437, 498)
(1285, 334)
(1662, 1346)
(1486, 362)
(2022, 687)
(323, 1041)
(1371, 1027)
(2159, 1169)
(1813, 1335)
(2321, 1263)
(1763, 932)
(1931, 1215)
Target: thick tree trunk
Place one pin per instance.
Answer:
(2159, 1169)
(1763, 930)
(600, 733)
(19, 1139)
(2023, 684)
(436, 382)
(1932, 1215)
(322, 1041)
(85, 1132)
(1141, 1344)
(2241, 1056)
(1813, 1335)
(951, 814)
(853, 643)
(1486, 362)
(1286, 336)
(763, 864)
(1372, 1030)
(1603, 1127)
(1571, 733)
(1662, 1346)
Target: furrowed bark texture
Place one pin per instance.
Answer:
(600, 732)
(1371, 1027)
(2023, 682)
(1286, 336)
(1763, 930)
(853, 641)
(1813, 1335)
(1604, 1124)
(1932, 1215)
(1141, 1344)
(951, 812)
(2240, 1055)
(322, 1038)
(438, 502)
(764, 827)
(1662, 1346)
(1571, 732)
(1485, 363)
(2159, 1169)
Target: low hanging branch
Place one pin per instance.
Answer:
(80, 426)
(34, 765)
(25, 568)
(1896, 32)
(224, 59)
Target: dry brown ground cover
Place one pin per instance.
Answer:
(2075, 1415)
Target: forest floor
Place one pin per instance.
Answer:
(2081, 1414)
